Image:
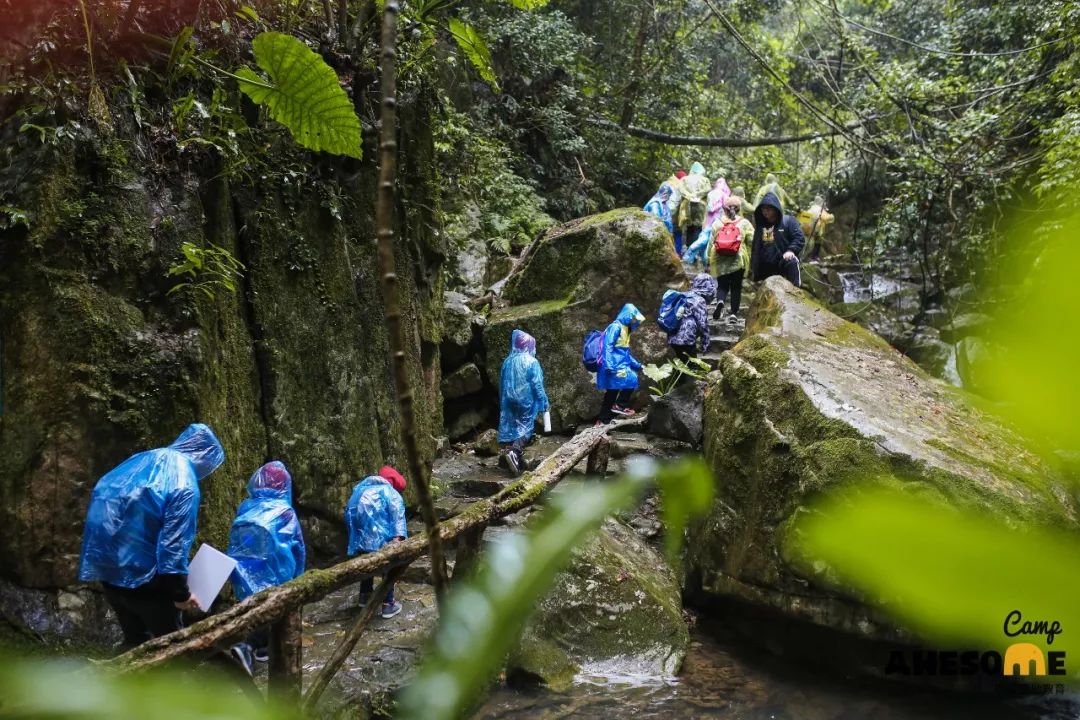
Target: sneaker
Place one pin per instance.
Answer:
(513, 463)
(719, 310)
(241, 653)
(625, 412)
(365, 598)
(261, 655)
(389, 611)
(732, 319)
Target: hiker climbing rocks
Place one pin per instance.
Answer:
(692, 208)
(746, 208)
(375, 516)
(521, 399)
(730, 238)
(778, 240)
(772, 185)
(715, 200)
(267, 543)
(139, 529)
(618, 370)
(694, 323)
(658, 206)
(813, 221)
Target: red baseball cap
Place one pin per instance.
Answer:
(393, 477)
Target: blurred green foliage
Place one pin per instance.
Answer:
(65, 690)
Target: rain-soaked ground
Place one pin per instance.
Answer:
(721, 678)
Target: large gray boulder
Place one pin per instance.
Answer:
(576, 280)
(810, 402)
(617, 607)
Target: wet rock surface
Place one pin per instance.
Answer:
(677, 415)
(617, 606)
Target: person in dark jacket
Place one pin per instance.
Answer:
(778, 240)
(694, 324)
(139, 529)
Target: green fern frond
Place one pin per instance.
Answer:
(303, 94)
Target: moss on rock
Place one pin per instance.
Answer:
(812, 402)
(617, 606)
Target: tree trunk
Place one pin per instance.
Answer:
(384, 228)
(286, 668)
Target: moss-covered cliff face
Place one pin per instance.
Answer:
(99, 362)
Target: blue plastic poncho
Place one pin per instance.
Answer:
(142, 514)
(266, 540)
(658, 206)
(619, 368)
(521, 389)
(375, 515)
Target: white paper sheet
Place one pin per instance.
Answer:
(207, 574)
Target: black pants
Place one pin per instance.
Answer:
(684, 352)
(690, 236)
(367, 586)
(730, 283)
(790, 269)
(144, 612)
(611, 398)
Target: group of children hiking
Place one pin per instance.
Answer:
(711, 223)
(709, 220)
(141, 524)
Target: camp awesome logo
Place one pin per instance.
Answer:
(1020, 658)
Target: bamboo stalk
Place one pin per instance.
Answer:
(384, 228)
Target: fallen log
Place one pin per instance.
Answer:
(270, 605)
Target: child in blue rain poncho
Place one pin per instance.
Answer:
(375, 516)
(521, 399)
(618, 368)
(658, 206)
(139, 530)
(266, 540)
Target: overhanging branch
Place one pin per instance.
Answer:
(731, 142)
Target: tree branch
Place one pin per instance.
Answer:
(656, 136)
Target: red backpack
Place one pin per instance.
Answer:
(728, 239)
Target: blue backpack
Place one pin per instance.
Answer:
(593, 351)
(671, 311)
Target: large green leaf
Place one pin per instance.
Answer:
(528, 4)
(303, 94)
(475, 49)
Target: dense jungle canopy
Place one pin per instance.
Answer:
(946, 118)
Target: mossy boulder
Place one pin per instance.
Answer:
(576, 280)
(810, 402)
(616, 609)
